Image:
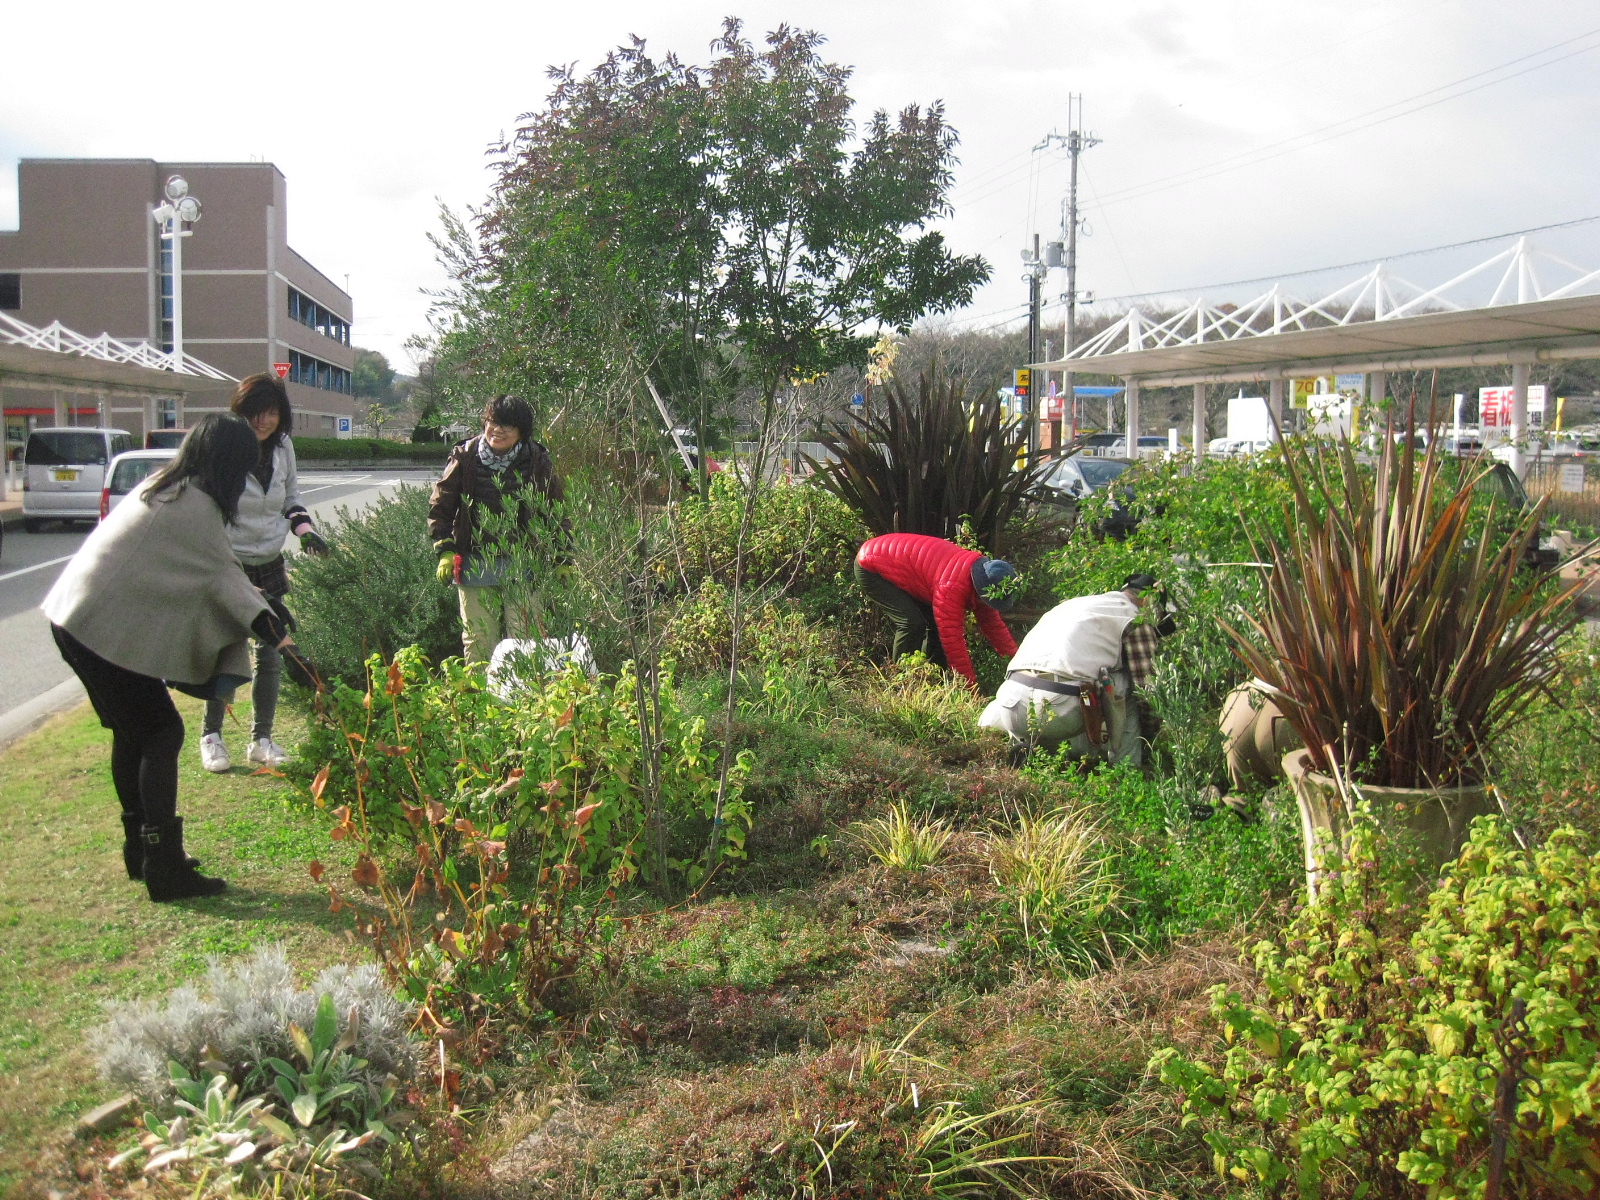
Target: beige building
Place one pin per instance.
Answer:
(88, 254)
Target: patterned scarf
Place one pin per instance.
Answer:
(499, 462)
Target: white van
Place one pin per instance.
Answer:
(127, 472)
(65, 471)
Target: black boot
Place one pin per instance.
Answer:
(133, 846)
(167, 870)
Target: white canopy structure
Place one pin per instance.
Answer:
(1378, 323)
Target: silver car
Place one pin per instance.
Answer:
(65, 472)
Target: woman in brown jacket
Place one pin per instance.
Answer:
(501, 469)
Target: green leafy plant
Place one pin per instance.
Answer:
(929, 461)
(228, 1142)
(325, 1087)
(1401, 632)
(522, 818)
(1393, 1052)
(901, 841)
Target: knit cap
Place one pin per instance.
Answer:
(987, 573)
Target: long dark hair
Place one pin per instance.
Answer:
(257, 394)
(217, 455)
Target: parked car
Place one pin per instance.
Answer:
(64, 472)
(165, 439)
(1080, 475)
(1115, 445)
(127, 471)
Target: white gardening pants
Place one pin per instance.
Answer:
(1049, 719)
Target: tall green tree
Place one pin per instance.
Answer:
(707, 227)
(373, 378)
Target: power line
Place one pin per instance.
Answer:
(1259, 155)
(1006, 172)
(1211, 287)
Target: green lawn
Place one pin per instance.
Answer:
(77, 932)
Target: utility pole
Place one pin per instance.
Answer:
(1076, 142)
(1034, 275)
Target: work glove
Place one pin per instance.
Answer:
(311, 542)
(280, 610)
(299, 669)
(447, 568)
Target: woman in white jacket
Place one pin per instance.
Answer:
(269, 511)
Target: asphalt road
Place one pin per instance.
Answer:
(30, 563)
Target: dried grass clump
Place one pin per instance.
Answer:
(1057, 873)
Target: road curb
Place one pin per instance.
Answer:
(25, 718)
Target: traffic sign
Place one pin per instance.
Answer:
(1021, 378)
(282, 369)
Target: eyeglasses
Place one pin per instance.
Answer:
(491, 428)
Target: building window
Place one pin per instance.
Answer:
(313, 372)
(10, 291)
(312, 315)
(166, 295)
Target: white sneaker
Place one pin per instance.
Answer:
(267, 752)
(214, 755)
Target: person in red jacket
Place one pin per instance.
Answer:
(926, 585)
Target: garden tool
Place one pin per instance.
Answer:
(1096, 701)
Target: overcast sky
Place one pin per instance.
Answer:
(1240, 139)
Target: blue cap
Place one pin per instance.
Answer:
(986, 573)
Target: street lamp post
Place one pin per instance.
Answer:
(180, 209)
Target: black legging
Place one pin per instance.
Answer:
(146, 730)
(914, 625)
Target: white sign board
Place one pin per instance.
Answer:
(342, 426)
(1495, 405)
(1248, 419)
(1571, 477)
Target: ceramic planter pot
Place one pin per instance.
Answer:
(1433, 822)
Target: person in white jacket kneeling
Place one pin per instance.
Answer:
(1073, 677)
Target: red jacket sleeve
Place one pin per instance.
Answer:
(950, 604)
(996, 630)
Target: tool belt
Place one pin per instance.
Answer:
(1094, 697)
(1047, 685)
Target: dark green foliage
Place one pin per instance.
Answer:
(802, 542)
(1545, 765)
(310, 451)
(663, 219)
(1183, 869)
(375, 591)
(931, 461)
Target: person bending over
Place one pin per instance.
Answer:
(1074, 678)
(926, 586)
(155, 597)
(501, 469)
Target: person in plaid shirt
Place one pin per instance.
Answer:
(1075, 676)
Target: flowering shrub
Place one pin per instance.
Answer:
(1448, 1063)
